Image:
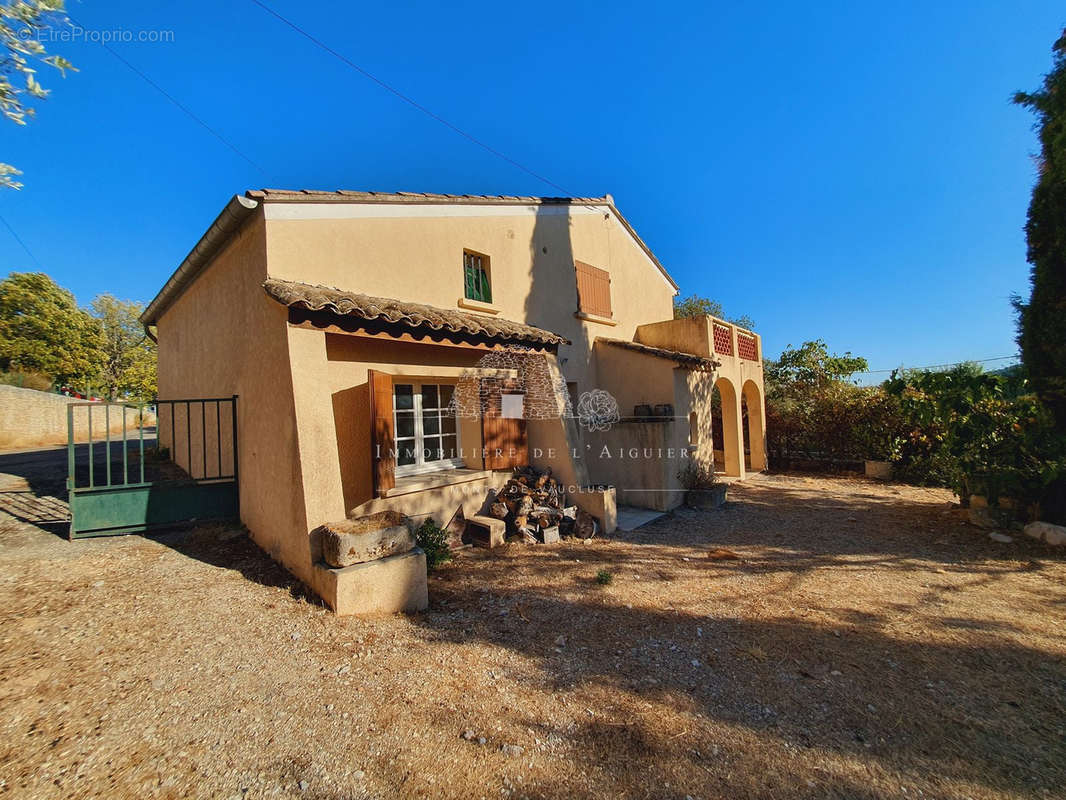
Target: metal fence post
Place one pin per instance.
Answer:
(140, 426)
(203, 435)
(218, 436)
(70, 447)
(125, 456)
(89, 411)
(236, 472)
(107, 439)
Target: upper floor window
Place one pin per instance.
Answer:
(476, 284)
(593, 290)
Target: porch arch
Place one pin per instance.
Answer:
(753, 399)
(732, 433)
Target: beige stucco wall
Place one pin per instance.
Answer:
(633, 378)
(224, 336)
(642, 460)
(304, 401)
(736, 378)
(350, 358)
(531, 250)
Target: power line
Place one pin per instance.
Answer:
(19, 240)
(184, 109)
(409, 100)
(937, 366)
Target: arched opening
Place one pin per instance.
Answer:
(716, 430)
(727, 444)
(693, 430)
(746, 429)
(754, 427)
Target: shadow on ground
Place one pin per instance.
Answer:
(967, 703)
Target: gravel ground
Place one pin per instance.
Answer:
(814, 638)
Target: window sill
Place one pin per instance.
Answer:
(409, 484)
(595, 318)
(477, 305)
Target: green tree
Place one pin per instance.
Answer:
(1042, 320)
(128, 357)
(20, 21)
(812, 364)
(696, 306)
(43, 330)
(813, 411)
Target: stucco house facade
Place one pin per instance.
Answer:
(348, 323)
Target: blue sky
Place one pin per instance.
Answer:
(854, 174)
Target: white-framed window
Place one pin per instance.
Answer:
(427, 437)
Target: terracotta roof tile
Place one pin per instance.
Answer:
(341, 195)
(412, 315)
(689, 360)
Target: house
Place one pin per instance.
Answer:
(407, 351)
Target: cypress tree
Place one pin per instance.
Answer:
(1042, 320)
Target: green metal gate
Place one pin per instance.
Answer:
(127, 480)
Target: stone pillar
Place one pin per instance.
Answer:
(732, 428)
(756, 426)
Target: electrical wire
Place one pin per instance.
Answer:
(19, 240)
(409, 100)
(184, 109)
(937, 366)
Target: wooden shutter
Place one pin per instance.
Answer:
(503, 438)
(593, 289)
(383, 435)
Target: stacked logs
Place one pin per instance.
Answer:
(532, 503)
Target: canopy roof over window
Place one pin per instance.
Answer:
(413, 316)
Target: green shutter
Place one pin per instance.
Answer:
(475, 280)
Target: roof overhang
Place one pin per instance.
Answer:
(237, 211)
(385, 315)
(684, 360)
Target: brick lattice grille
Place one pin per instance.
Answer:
(746, 347)
(723, 339)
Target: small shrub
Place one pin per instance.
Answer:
(697, 476)
(433, 540)
(603, 577)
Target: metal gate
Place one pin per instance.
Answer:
(132, 468)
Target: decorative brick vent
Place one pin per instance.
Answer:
(746, 347)
(723, 339)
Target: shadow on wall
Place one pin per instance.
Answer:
(552, 298)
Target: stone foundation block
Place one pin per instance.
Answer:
(486, 531)
(356, 542)
(388, 585)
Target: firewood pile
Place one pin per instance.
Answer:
(533, 504)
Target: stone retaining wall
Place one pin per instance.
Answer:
(29, 417)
